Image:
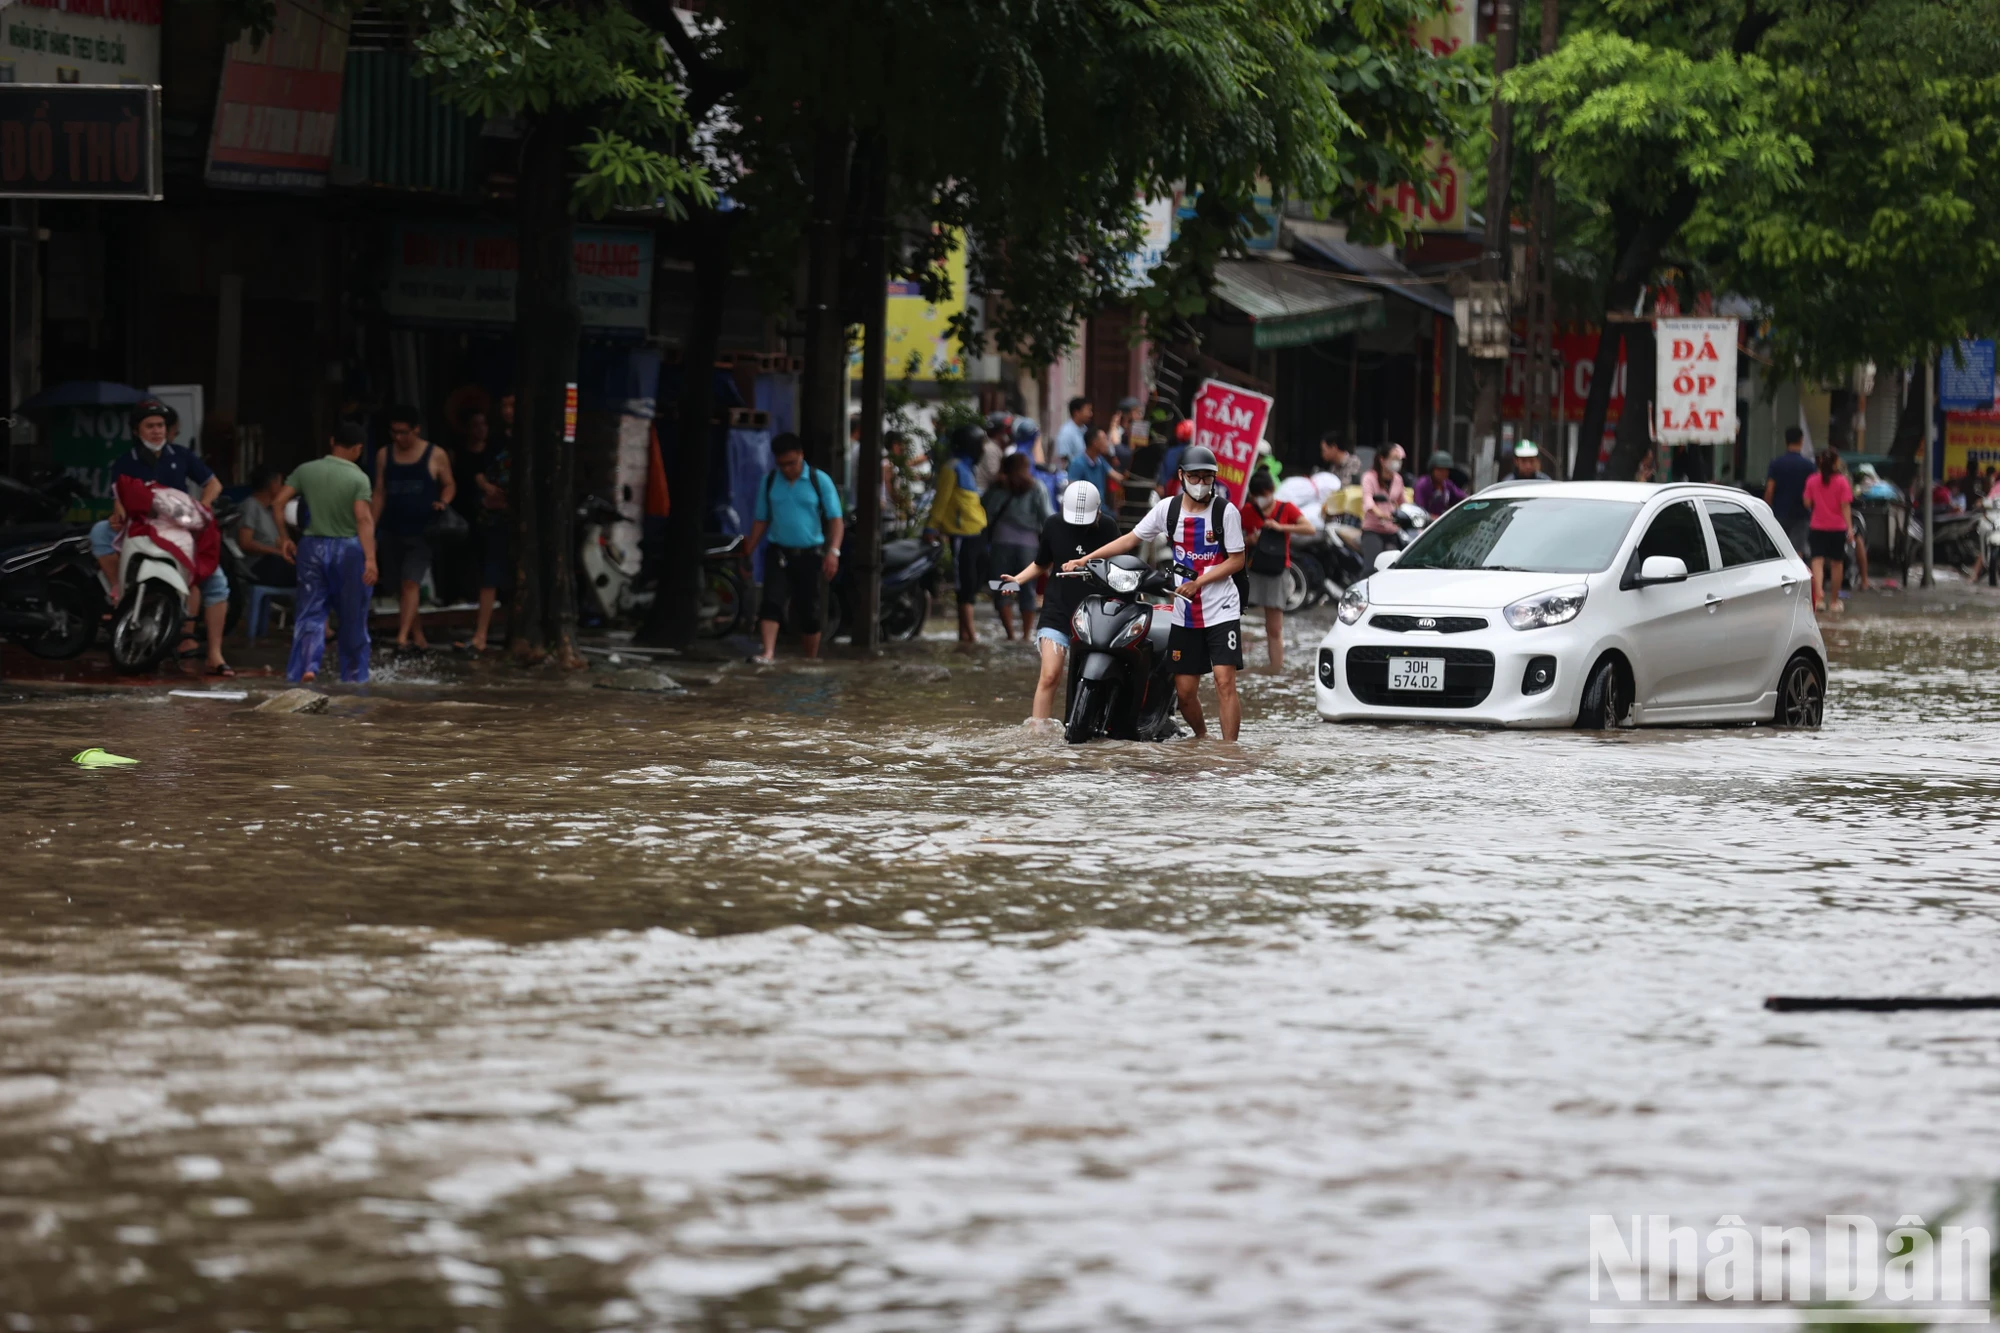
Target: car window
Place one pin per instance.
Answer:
(1676, 531)
(1547, 534)
(1740, 536)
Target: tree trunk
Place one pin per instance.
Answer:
(1844, 409)
(1635, 423)
(866, 546)
(1489, 374)
(823, 386)
(1908, 445)
(1488, 379)
(1603, 376)
(675, 620)
(547, 325)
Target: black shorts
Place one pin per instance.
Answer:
(969, 567)
(401, 557)
(1196, 652)
(1827, 545)
(792, 578)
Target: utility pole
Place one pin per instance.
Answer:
(1544, 367)
(1930, 447)
(866, 576)
(1490, 292)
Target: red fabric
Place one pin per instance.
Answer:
(657, 503)
(136, 498)
(1254, 520)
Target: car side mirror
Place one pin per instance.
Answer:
(1384, 559)
(1661, 569)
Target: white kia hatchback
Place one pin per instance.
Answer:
(1594, 604)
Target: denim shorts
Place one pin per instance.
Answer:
(1060, 638)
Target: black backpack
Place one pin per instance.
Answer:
(1241, 579)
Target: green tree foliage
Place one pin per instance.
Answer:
(1036, 127)
(1834, 163)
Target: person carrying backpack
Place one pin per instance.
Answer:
(1206, 533)
(1268, 527)
(800, 511)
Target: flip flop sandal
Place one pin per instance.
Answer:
(221, 669)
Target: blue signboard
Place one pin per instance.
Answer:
(1965, 381)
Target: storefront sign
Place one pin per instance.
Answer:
(1579, 367)
(280, 103)
(80, 41)
(1695, 389)
(463, 274)
(1971, 441)
(918, 344)
(79, 142)
(84, 442)
(1965, 381)
(1230, 421)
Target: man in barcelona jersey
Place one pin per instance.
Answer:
(1206, 532)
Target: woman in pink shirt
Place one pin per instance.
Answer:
(1830, 498)
(1381, 493)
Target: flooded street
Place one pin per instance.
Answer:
(834, 998)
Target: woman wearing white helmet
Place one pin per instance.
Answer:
(1080, 527)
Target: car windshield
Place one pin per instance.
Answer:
(1545, 535)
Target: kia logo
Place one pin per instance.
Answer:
(1427, 623)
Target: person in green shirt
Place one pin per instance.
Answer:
(335, 558)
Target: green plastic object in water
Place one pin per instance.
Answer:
(96, 758)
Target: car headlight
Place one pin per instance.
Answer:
(1131, 631)
(1122, 580)
(1354, 603)
(1547, 608)
(1079, 625)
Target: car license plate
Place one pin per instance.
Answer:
(1416, 673)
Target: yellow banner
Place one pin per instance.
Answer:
(917, 327)
(1971, 441)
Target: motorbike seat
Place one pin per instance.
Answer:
(37, 534)
(901, 554)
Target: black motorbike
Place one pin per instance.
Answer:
(51, 597)
(909, 582)
(1121, 682)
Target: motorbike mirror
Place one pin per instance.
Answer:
(1002, 585)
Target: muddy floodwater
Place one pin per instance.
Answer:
(834, 998)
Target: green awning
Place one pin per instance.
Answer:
(1290, 306)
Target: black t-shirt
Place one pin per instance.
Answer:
(1062, 542)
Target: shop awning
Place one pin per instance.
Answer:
(1389, 274)
(1290, 306)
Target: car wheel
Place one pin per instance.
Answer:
(1801, 695)
(1605, 704)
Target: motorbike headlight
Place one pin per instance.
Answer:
(1547, 608)
(1131, 631)
(1079, 625)
(1354, 603)
(1122, 580)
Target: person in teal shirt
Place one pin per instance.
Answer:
(801, 514)
(1094, 466)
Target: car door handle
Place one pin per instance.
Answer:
(1711, 601)
(1788, 583)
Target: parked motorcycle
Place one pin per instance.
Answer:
(607, 569)
(51, 595)
(153, 603)
(1121, 681)
(909, 580)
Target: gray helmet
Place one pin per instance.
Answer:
(1198, 458)
(1441, 459)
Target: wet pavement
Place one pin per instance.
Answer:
(834, 998)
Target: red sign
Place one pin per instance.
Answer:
(1579, 365)
(569, 413)
(280, 102)
(1230, 421)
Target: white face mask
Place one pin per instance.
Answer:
(1201, 490)
(1265, 503)
(153, 448)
